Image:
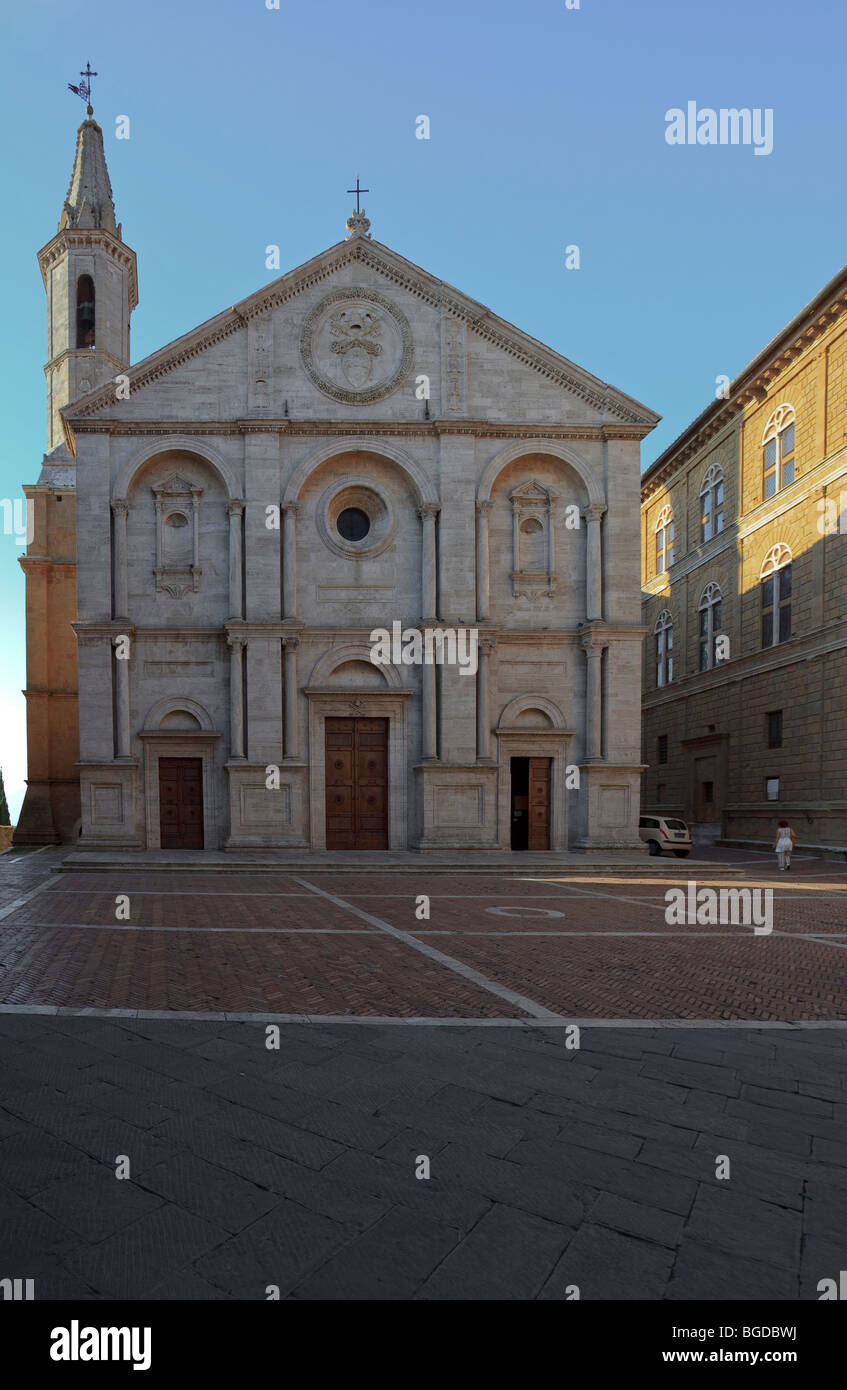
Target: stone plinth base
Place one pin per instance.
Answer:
(262, 814)
(457, 806)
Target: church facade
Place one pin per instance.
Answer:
(356, 447)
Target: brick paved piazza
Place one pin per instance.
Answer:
(550, 1166)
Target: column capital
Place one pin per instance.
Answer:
(483, 508)
(236, 641)
(293, 642)
(235, 506)
(595, 511)
(486, 645)
(120, 506)
(292, 507)
(593, 642)
(429, 509)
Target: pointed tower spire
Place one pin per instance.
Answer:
(91, 283)
(89, 201)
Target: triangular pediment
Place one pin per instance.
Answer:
(175, 485)
(604, 402)
(530, 492)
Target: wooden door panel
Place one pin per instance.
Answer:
(181, 803)
(356, 788)
(539, 803)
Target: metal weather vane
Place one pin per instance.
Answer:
(84, 89)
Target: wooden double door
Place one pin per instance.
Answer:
(356, 783)
(181, 803)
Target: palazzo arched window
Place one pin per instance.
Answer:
(710, 624)
(711, 503)
(664, 539)
(778, 447)
(775, 586)
(663, 632)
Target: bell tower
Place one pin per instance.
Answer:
(91, 283)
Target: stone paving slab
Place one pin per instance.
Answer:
(318, 1194)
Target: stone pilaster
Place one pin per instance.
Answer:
(291, 740)
(235, 510)
(236, 694)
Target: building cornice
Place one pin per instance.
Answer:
(422, 429)
(753, 384)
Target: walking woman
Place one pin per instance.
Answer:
(785, 842)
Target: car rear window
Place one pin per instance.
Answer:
(675, 824)
(648, 823)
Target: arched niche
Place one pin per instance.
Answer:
(552, 449)
(521, 712)
(328, 669)
(176, 712)
(176, 444)
(422, 486)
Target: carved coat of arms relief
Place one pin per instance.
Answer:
(356, 345)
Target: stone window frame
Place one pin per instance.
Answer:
(710, 611)
(780, 461)
(533, 502)
(177, 495)
(663, 632)
(369, 497)
(712, 505)
(665, 533)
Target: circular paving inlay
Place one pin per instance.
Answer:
(524, 912)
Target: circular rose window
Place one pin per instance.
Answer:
(355, 519)
(353, 524)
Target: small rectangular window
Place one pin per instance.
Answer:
(775, 728)
(772, 789)
(662, 748)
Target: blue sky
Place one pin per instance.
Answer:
(547, 130)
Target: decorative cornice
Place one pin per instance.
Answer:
(421, 429)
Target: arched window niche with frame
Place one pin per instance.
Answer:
(177, 536)
(534, 561)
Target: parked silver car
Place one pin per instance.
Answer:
(664, 832)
